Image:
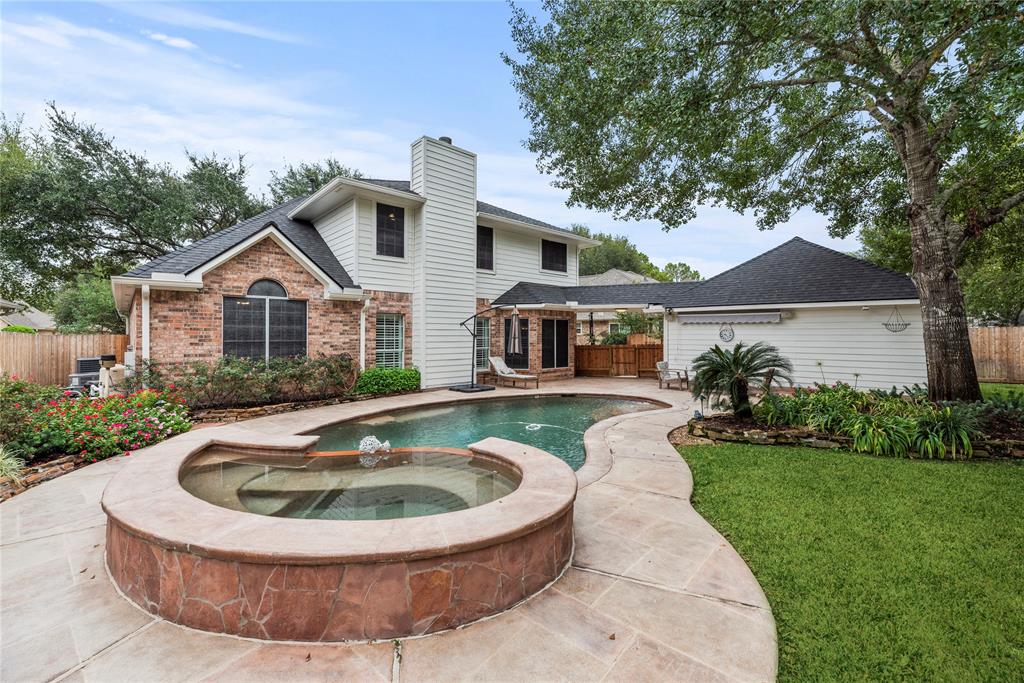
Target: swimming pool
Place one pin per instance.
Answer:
(552, 423)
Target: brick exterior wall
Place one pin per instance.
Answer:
(387, 302)
(535, 317)
(186, 326)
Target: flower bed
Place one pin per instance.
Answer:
(39, 423)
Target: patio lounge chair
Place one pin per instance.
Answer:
(506, 374)
(667, 376)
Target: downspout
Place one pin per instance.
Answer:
(145, 322)
(362, 334)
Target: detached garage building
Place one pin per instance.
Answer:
(836, 317)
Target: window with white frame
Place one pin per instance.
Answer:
(264, 323)
(615, 328)
(579, 328)
(390, 340)
(483, 343)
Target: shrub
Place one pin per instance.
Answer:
(17, 399)
(99, 428)
(880, 435)
(24, 329)
(779, 411)
(616, 338)
(947, 427)
(388, 381)
(728, 372)
(232, 381)
(11, 462)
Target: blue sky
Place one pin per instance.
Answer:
(301, 81)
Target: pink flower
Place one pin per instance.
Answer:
(17, 405)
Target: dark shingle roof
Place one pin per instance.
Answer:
(481, 207)
(594, 295)
(300, 233)
(794, 272)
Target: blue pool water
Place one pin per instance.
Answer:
(552, 423)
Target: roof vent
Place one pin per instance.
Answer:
(445, 139)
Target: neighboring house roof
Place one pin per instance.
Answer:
(796, 271)
(20, 313)
(594, 295)
(481, 207)
(300, 233)
(614, 276)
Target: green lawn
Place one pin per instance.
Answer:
(993, 389)
(876, 569)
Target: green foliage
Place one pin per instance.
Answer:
(615, 251)
(949, 428)
(73, 202)
(38, 420)
(23, 329)
(306, 178)
(17, 399)
(897, 422)
(723, 372)
(677, 272)
(234, 382)
(86, 306)
(614, 339)
(635, 322)
(388, 381)
(11, 462)
(880, 434)
(846, 547)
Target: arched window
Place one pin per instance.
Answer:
(267, 288)
(265, 323)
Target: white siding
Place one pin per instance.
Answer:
(336, 227)
(446, 260)
(383, 272)
(845, 341)
(517, 259)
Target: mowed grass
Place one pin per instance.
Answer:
(876, 569)
(993, 389)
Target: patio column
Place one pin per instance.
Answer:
(145, 322)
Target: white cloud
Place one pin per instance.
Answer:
(171, 41)
(175, 15)
(161, 102)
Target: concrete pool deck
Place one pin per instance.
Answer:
(653, 593)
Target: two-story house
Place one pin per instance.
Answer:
(384, 270)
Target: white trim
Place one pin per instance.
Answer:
(406, 216)
(812, 304)
(145, 322)
(362, 333)
(513, 225)
(308, 208)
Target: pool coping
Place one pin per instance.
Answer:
(147, 500)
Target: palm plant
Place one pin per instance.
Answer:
(722, 372)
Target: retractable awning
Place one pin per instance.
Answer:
(721, 318)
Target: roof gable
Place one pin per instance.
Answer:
(301, 234)
(794, 272)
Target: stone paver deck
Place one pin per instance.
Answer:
(654, 592)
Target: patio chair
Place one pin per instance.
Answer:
(668, 376)
(506, 374)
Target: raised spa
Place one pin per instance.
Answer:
(402, 483)
(265, 541)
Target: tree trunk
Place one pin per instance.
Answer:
(947, 345)
(951, 371)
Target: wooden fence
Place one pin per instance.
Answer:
(618, 360)
(998, 353)
(50, 358)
